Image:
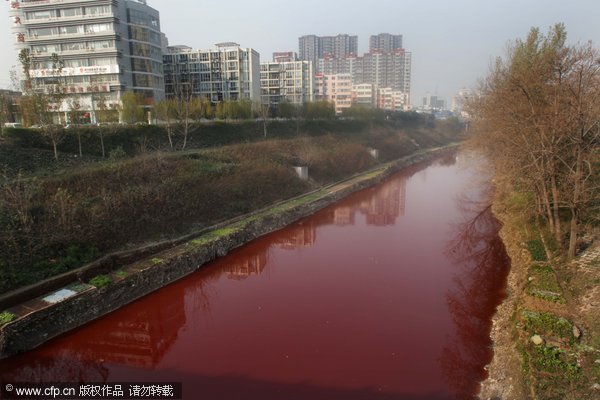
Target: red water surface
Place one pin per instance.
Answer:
(385, 295)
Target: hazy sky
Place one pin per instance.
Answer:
(452, 41)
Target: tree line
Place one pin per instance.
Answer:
(537, 118)
(43, 97)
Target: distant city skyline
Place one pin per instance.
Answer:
(452, 42)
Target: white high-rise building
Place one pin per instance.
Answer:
(104, 48)
(226, 73)
(286, 80)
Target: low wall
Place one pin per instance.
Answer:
(34, 329)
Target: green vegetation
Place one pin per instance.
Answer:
(117, 154)
(543, 284)
(6, 317)
(78, 287)
(214, 235)
(551, 368)
(121, 274)
(537, 250)
(299, 201)
(50, 261)
(133, 107)
(553, 360)
(101, 281)
(547, 324)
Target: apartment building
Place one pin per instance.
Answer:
(387, 70)
(309, 48)
(364, 94)
(312, 48)
(387, 65)
(286, 79)
(105, 47)
(339, 46)
(392, 100)
(336, 89)
(226, 73)
(350, 64)
(385, 42)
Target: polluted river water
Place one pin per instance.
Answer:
(387, 294)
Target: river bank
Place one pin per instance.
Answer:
(546, 334)
(75, 304)
(56, 219)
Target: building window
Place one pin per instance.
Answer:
(70, 12)
(96, 28)
(70, 30)
(98, 10)
(43, 32)
(40, 15)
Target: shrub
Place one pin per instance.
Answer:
(26, 138)
(537, 250)
(544, 284)
(548, 324)
(7, 317)
(117, 153)
(101, 281)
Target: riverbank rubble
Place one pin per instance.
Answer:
(546, 334)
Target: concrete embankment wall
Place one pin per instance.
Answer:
(34, 329)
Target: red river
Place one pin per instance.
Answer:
(388, 294)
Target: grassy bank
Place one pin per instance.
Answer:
(547, 334)
(29, 151)
(56, 219)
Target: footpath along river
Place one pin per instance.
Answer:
(388, 294)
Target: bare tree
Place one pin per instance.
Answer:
(580, 144)
(537, 120)
(75, 117)
(5, 104)
(263, 111)
(184, 105)
(107, 116)
(164, 113)
(43, 97)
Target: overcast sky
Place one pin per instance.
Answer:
(452, 41)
